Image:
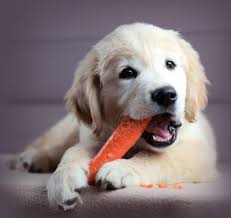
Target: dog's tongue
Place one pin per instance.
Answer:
(159, 128)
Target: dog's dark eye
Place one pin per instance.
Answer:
(170, 64)
(128, 73)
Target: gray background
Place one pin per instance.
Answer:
(42, 41)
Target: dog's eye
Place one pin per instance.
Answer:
(170, 64)
(128, 73)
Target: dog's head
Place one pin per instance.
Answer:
(140, 71)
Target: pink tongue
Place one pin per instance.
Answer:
(159, 129)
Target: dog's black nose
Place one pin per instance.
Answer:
(164, 96)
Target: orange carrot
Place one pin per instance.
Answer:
(121, 140)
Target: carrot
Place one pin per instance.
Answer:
(121, 140)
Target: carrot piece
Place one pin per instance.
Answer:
(121, 140)
(147, 186)
(177, 186)
(162, 185)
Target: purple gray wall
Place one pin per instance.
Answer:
(42, 41)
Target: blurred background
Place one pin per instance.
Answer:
(42, 41)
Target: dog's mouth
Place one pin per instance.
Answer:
(162, 130)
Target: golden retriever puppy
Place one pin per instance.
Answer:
(138, 70)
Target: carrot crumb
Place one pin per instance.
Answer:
(177, 186)
(162, 185)
(147, 186)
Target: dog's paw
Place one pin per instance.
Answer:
(116, 175)
(34, 161)
(65, 185)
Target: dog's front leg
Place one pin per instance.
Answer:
(153, 168)
(122, 173)
(70, 177)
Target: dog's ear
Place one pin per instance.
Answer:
(196, 96)
(83, 98)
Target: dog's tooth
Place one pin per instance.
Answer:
(154, 138)
(157, 139)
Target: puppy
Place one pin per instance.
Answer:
(138, 70)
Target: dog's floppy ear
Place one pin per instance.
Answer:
(196, 96)
(83, 97)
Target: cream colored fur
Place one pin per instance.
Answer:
(99, 100)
